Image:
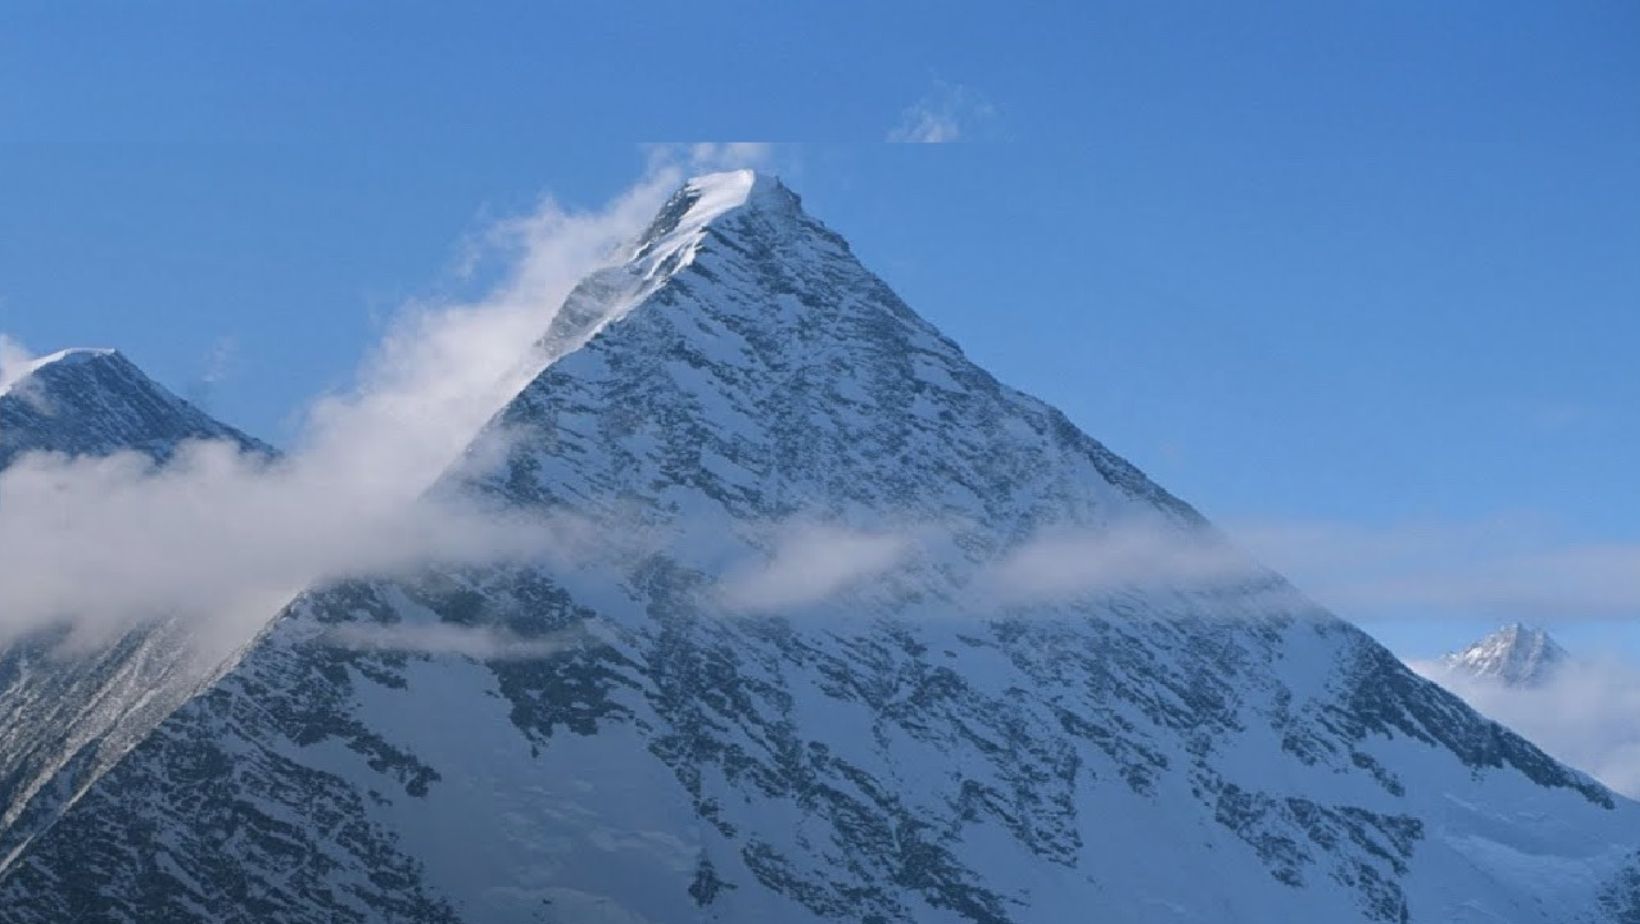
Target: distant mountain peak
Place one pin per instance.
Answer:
(73, 356)
(1515, 655)
(95, 402)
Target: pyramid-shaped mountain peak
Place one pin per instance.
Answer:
(1515, 655)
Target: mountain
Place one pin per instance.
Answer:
(69, 707)
(785, 670)
(97, 402)
(1515, 655)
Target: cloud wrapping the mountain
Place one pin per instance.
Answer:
(14, 360)
(1491, 570)
(1496, 570)
(1059, 564)
(811, 563)
(483, 643)
(227, 539)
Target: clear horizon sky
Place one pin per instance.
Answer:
(1367, 271)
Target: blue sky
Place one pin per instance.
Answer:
(1369, 268)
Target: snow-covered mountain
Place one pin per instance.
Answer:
(97, 402)
(778, 677)
(1516, 655)
(68, 708)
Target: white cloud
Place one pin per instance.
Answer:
(1494, 570)
(1141, 553)
(811, 563)
(219, 537)
(1500, 569)
(730, 155)
(483, 643)
(1587, 715)
(711, 156)
(949, 113)
(14, 361)
(225, 540)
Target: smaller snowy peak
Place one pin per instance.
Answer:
(72, 369)
(62, 358)
(1516, 655)
(97, 402)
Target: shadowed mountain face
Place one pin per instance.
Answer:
(1516, 655)
(67, 711)
(784, 677)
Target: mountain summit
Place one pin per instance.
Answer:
(782, 675)
(1515, 655)
(97, 402)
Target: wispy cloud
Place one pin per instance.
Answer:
(950, 112)
(219, 363)
(811, 563)
(1498, 569)
(1493, 570)
(14, 360)
(808, 563)
(711, 156)
(1137, 554)
(482, 643)
(1587, 716)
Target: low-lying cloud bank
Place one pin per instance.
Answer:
(482, 643)
(225, 540)
(810, 562)
(1587, 714)
(1495, 570)
(1140, 553)
(1490, 571)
